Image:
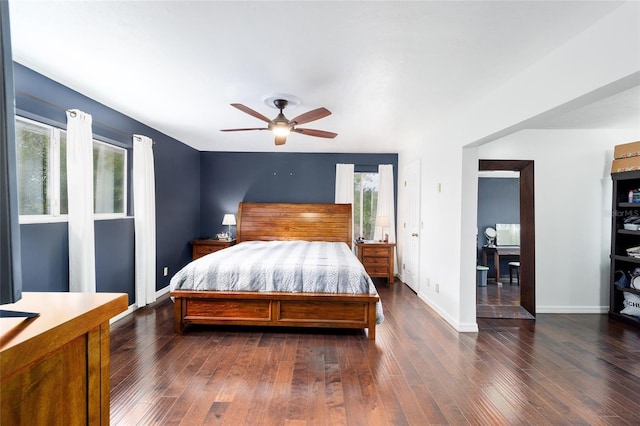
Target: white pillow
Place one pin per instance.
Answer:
(631, 303)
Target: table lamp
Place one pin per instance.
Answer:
(229, 220)
(383, 222)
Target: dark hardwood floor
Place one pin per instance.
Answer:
(500, 301)
(556, 370)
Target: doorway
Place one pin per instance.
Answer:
(527, 228)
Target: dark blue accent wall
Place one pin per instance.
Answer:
(45, 256)
(45, 246)
(498, 202)
(115, 256)
(193, 191)
(231, 177)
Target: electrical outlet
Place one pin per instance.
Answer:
(165, 271)
(428, 282)
(437, 288)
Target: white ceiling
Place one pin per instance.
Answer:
(388, 70)
(620, 111)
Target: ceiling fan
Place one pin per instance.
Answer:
(281, 126)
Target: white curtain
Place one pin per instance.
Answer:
(344, 188)
(144, 210)
(344, 183)
(385, 213)
(82, 260)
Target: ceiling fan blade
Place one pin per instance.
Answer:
(312, 115)
(242, 130)
(251, 112)
(318, 133)
(280, 140)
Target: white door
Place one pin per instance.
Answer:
(411, 227)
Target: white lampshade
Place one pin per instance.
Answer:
(229, 219)
(382, 221)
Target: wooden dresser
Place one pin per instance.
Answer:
(377, 258)
(203, 247)
(54, 368)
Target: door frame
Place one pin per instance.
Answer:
(527, 226)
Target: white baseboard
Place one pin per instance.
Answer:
(124, 314)
(460, 327)
(572, 309)
(132, 308)
(162, 292)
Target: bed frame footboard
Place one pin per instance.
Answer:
(320, 310)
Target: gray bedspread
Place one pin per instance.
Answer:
(282, 266)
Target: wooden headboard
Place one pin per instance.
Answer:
(294, 221)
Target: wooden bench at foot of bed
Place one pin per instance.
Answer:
(321, 310)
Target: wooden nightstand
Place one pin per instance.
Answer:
(377, 258)
(204, 247)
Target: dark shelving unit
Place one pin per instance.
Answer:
(621, 240)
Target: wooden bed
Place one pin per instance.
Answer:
(272, 222)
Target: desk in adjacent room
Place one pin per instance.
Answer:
(498, 251)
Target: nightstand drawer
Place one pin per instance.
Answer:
(375, 251)
(206, 249)
(375, 261)
(377, 270)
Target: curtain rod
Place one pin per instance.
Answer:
(72, 112)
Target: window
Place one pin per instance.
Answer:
(42, 174)
(39, 149)
(109, 178)
(365, 204)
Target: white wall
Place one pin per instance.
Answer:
(573, 212)
(448, 154)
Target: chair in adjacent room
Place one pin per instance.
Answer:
(514, 266)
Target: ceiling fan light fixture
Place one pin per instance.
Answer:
(281, 129)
